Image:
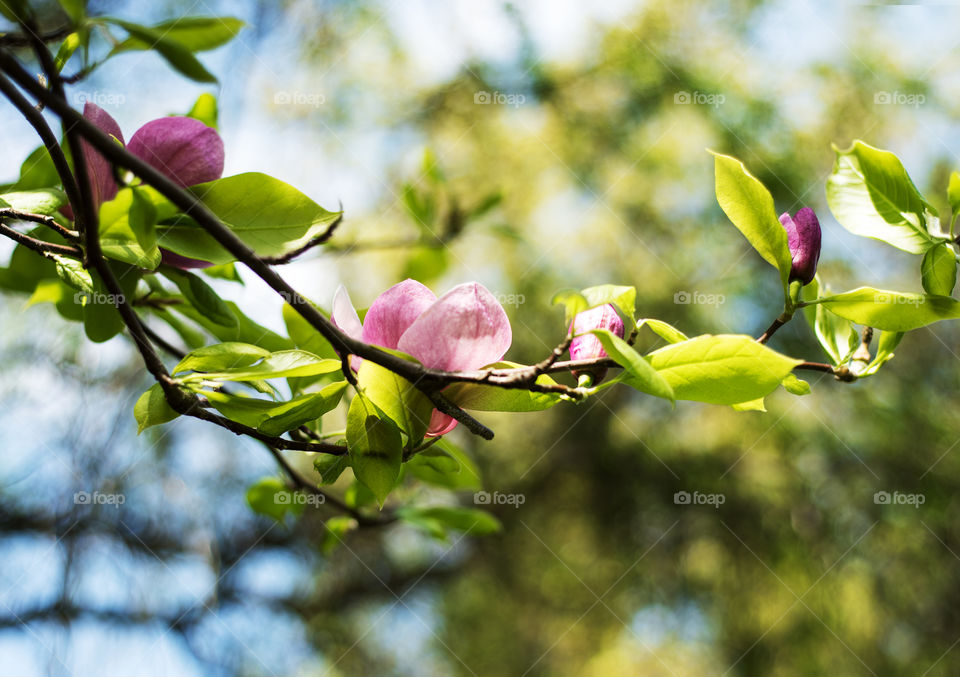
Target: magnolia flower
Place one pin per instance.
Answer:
(184, 149)
(588, 346)
(464, 329)
(803, 237)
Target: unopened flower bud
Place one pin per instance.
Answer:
(588, 346)
(803, 237)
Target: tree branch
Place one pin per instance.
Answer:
(40, 246)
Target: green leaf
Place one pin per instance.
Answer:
(270, 216)
(836, 335)
(205, 110)
(749, 205)
(573, 303)
(152, 409)
(871, 194)
(37, 171)
(175, 53)
(128, 229)
(281, 364)
(376, 447)
(667, 332)
(638, 372)
(75, 9)
(271, 497)
(892, 310)
(953, 192)
(101, 317)
(622, 297)
(885, 346)
(397, 398)
(67, 48)
(795, 386)
(276, 418)
(336, 529)
(310, 408)
(246, 331)
(73, 273)
(330, 467)
(304, 335)
(201, 296)
(221, 356)
(753, 405)
(468, 520)
(445, 465)
(226, 271)
(938, 272)
(722, 369)
(195, 33)
(40, 201)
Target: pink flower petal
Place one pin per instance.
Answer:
(465, 329)
(344, 315)
(440, 424)
(394, 311)
(103, 187)
(184, 149)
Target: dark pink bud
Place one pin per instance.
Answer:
(181, 262)
(588, 346)
(803, 237)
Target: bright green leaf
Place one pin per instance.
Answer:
(128, 229)
(40, 201)
(376, 447)
(395, 397)
(722, 369)
(152, 409)
(938, 272)
(871, 194)
(175, 53)
(891, 310)
(271, 497)
(749, 205)
(201, 296)
(281, 364)
(638, 372)
(622, 297)
(196, 33)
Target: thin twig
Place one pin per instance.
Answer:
(43, 219)
(315, 242)
(40, 246)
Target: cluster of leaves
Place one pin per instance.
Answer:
(384, 443)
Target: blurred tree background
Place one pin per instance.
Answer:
(590, 125)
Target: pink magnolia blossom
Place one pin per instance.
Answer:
(184, 149)
(588, 346)
(464, 329)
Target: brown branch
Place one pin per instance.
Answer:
(771, 330)
(40, 246)
(43, 219)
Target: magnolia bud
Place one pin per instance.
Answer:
(182, 262)
(588, 346)
(803, 237)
